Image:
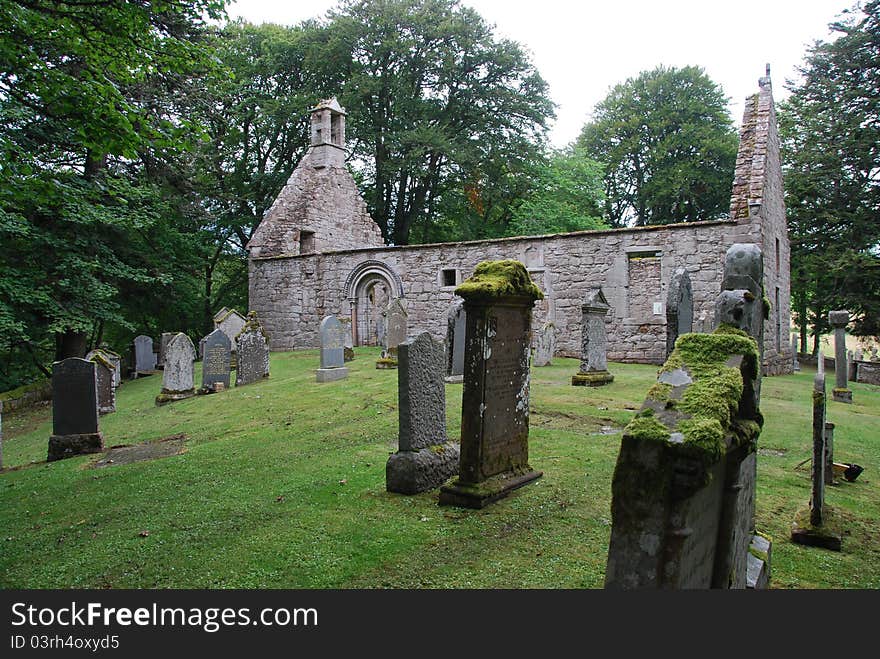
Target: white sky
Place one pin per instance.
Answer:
(582, 49)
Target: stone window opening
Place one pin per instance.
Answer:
(334, 129)
(306, 242)
(448, 277)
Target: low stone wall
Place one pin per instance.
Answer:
(867, 372)
(26, 396)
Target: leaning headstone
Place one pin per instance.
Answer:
(347, 339)
(455, 327)
(795, 364)
(74, 410)
(179, 376)
(104, 378)
(332, 351)
(679, 308)
(495, 400)
(838, 321)
(545, 345)
(145, 358)
(594, 342)
(252, 347)
(114, 359)
(395, 333)
(216, 361)
(425, 458)
(813, 525)
(164, 340)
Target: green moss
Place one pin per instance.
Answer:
(493, 279)
(703, 439)
(646, 428)
(18, 392)
(660, 392)
(765, 301)
(760, 555)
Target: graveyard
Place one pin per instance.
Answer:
(281, 484)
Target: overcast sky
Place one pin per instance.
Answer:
(582, 49)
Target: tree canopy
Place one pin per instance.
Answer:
(668, 146)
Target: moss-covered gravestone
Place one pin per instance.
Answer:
(104, 378)
(425, 458)
(594, 342)
(679, 308)
(252, 348)
(74, 410)
(495, 400)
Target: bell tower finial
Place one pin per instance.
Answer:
(328, 133)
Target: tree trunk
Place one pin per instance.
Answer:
(70, 344)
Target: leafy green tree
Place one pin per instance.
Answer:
(568, 196)
(831, 155)
(441, 112)
(668, 146)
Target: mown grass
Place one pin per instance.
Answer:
(282, 486)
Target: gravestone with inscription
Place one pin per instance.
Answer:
(74, 410)
(216, 361)
(425, 458)
(104, 379)
(252, 346)
(455, 327)
(679, 308)
(332, 351)
(545, 345)
(838, 321)
(594, 342)
(145, 358)
(347, 339)
(179, 376)
(498, 301)
(395, 333)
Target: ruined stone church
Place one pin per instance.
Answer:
(318, 252)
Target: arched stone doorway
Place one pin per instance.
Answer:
(370, 286)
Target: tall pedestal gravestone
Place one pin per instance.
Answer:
(179, 375)
(838, 321)
(395, 333)
(545, 345)
(455, 328)
(813, 526)
(425, 458)
(144, 357)
(594, 342)
(332, 351)
(495, 400)
(795, 364)
(74, 410)
(679, 308)
(252, 347)
(216, 361)
(104, 380)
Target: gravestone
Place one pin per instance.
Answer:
(179, 375)
(230, 322)
(594, 342)
(114, 359)
(332, 351)
(679, 308)
(216, 361)
(795, 364)
(164, 340)
(202, 347)
(348, 340)
(455, 328)
(545, 345)
(74, 410)
(838, 321)
(849, 365)
(104, 379)
(144, 357)
(857, 355)
(395, 333)
(812, 525)
(829, 453)
(425, 458)
(498, 301)
(252, 347)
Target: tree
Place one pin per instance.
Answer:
(439, 107)
(830, 132)
(668, 146)
(568, 196)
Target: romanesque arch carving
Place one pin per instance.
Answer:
(369, 288)
(372, 267)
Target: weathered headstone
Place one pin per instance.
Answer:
(795, 364)
(425, 458)
(455, 328)
(216, 361)
(179, 376)
(829, 453)
(145, 358)
(812, 525)
(594, 342)
(164, 340)
(849, 365)
(348, 339)
(679, 308)
(114, 359)
(838, 321)
(230, 322)
(74, 410)
(495, 400)
(252, 347)
(545, 345)
(395, 333)
(104, 378)
(332, 351)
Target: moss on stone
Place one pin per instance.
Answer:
(660, 392)
(493, 279)
(703, 439)
(757, 553)
(646, 427)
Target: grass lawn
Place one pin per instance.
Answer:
(282, 485)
